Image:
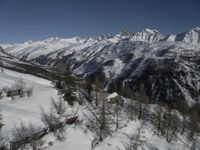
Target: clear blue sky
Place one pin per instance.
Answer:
(22, 20)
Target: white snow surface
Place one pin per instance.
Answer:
(24, 109)
(113, 95)
(77, 137)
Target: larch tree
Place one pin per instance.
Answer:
(97, 89)
(142, 99)
(102, 120)
(88, 87)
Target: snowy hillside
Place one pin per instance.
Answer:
(25, 109)
(28, 109)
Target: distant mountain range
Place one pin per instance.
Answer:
(168, 65)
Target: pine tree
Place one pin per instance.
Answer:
(183, 107)
(97, 89)
(118, 115)
(1, 122)
(194, 124)
(70, 87)
(89, 88)
(131, 110)
(105, 117)
(143, 100)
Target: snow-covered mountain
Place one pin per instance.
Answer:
(31, 50)
(167, 64)
(191, 36)
(11, 62)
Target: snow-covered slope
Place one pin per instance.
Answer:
(120, 140)
(167, 64)
(27, 109)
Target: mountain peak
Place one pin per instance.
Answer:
(196, 29)
(125, 34)
(52, 39)
(191, 36)
(152, 31)
(148, 35)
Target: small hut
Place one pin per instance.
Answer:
(12, 93)
(114, 98)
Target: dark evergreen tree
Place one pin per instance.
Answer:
(89, 89)
(142, 99)
(97, 89)
(70, 87)
(183, 107)
(1, 122)
(193, 125)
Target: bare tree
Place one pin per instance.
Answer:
(166, 122)
(102, 118)
(59, 106)
(20, 85)
(21, 136)
(49, 118)
(142, 101)
(29, 92)
(131, 110)
(135, 141)
(2, 70)
(1, 94)
(169, 125)
(54, 118)
(1, 120)
(138, 107)
(3, 141)
(118, 115)
(183, 107)
(3, 145)
(97, 89)
(156, 119)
